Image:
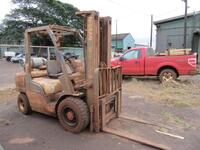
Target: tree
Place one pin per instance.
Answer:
(33, 13)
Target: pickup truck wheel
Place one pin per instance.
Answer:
(73, 114)
(23, 104)
(167, 75)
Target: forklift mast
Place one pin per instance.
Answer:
(103, 82)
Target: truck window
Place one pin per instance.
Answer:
(132, 55)
(150, 52)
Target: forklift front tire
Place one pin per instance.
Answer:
(23, 104)
(73, 114)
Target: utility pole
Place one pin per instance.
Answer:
(116, 37)
(151, 33)
(185, 24)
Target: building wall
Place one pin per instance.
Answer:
(119, 44)
(171, 34)
(128, 42)
(123, 44)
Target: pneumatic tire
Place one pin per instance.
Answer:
(73, 114)
(167, 74)
(23, 104)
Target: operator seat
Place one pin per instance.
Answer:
(54, 69)
(40, 75)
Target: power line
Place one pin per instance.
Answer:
(166, 13)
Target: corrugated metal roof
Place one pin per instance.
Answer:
(119, 36)
(176, 18)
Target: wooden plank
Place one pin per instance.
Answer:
(169, 134)
(136, 138)
(177, 52)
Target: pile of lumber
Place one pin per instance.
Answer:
(176, 52)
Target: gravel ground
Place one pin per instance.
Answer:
(19, 132)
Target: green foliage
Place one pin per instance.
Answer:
(32, 13)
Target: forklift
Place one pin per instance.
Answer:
(56, 88)
(78, 94)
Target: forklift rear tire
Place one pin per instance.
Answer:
(23, 104)
(73, 114)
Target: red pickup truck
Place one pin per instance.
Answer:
(144, 62)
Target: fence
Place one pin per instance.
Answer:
(40, 49)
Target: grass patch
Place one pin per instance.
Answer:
(182, 94)
(168, 117)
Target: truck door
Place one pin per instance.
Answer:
(131, 63)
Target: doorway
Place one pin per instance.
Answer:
(196, 44)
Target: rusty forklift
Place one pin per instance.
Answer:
(87, 94)
(78, 98)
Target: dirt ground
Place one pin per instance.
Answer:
(172, 108)
(182, 93)
(7, 74)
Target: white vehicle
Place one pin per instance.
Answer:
(9, 54)
(17, 58)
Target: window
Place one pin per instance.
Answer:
(150, 52)
(132, 55)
